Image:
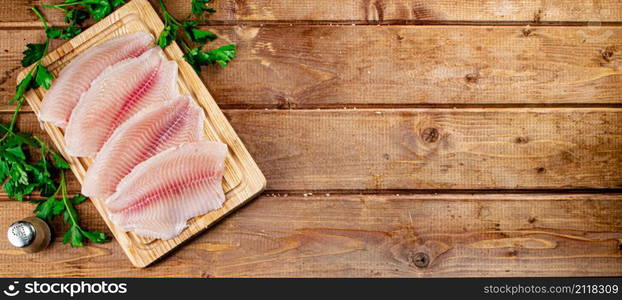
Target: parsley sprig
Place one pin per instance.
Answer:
(37, 76)
(78, 11)
(98, 9)
(192, 39)
(22, 176)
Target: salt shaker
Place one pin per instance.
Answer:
(30, 234)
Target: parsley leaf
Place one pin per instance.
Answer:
(76, 16)
(73, 236)
(53, 33)
(23, 86)
(194, 54)
(69, 32)
(196, 35)
(32, 54)
(59, 161)
(116, 3)
(197, 58)
(198, 7)
(77, 199)
(49, 208)
(98, 9)
(76, 234)
(20, 176)
(44, 77)
(222, 55)
(16, 152)
(168, 35)
(96, 236)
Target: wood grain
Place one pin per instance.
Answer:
(371, 66)
(539, 107)
(366, 235)
(435, 148)
(556, 148)
(365, 11)
(413, 65)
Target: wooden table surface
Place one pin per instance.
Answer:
(399, 138)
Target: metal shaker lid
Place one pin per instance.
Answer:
(21, 234)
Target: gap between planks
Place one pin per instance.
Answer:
(560, 194)
(323, 23)
(9, 108)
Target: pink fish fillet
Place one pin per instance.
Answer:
(162, 193)
(116, 95)
(78, 75)
(159, 127)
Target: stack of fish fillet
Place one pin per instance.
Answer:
(119, 104)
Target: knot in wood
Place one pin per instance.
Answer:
(471, 77)
(430, 135)
(522, 140)
(607, 54)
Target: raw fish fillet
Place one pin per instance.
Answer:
(78, 75)
(159, 196)
(159, 127)
(117, 94)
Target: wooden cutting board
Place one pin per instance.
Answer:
(242, 178)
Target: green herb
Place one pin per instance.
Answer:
(38, 74)
(98, 9)
(74, 17)
(168, 35)
(116, 3)
(196, 35)
(197, 58)
(51, 207)
(199, 8)
(78, 11)
(192, 39)
(44, 77)
(21, 176)
(32, 54)
(76, 234)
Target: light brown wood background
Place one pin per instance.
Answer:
(484, 136)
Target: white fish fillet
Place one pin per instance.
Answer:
(162, 193)
(116, 95)
(78, 75)
(151, 131)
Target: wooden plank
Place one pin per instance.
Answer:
(366, 235)
(370, 66)
(518, 148)
(413, 65)
(435, 148)
(365, 11)
(242, 179)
